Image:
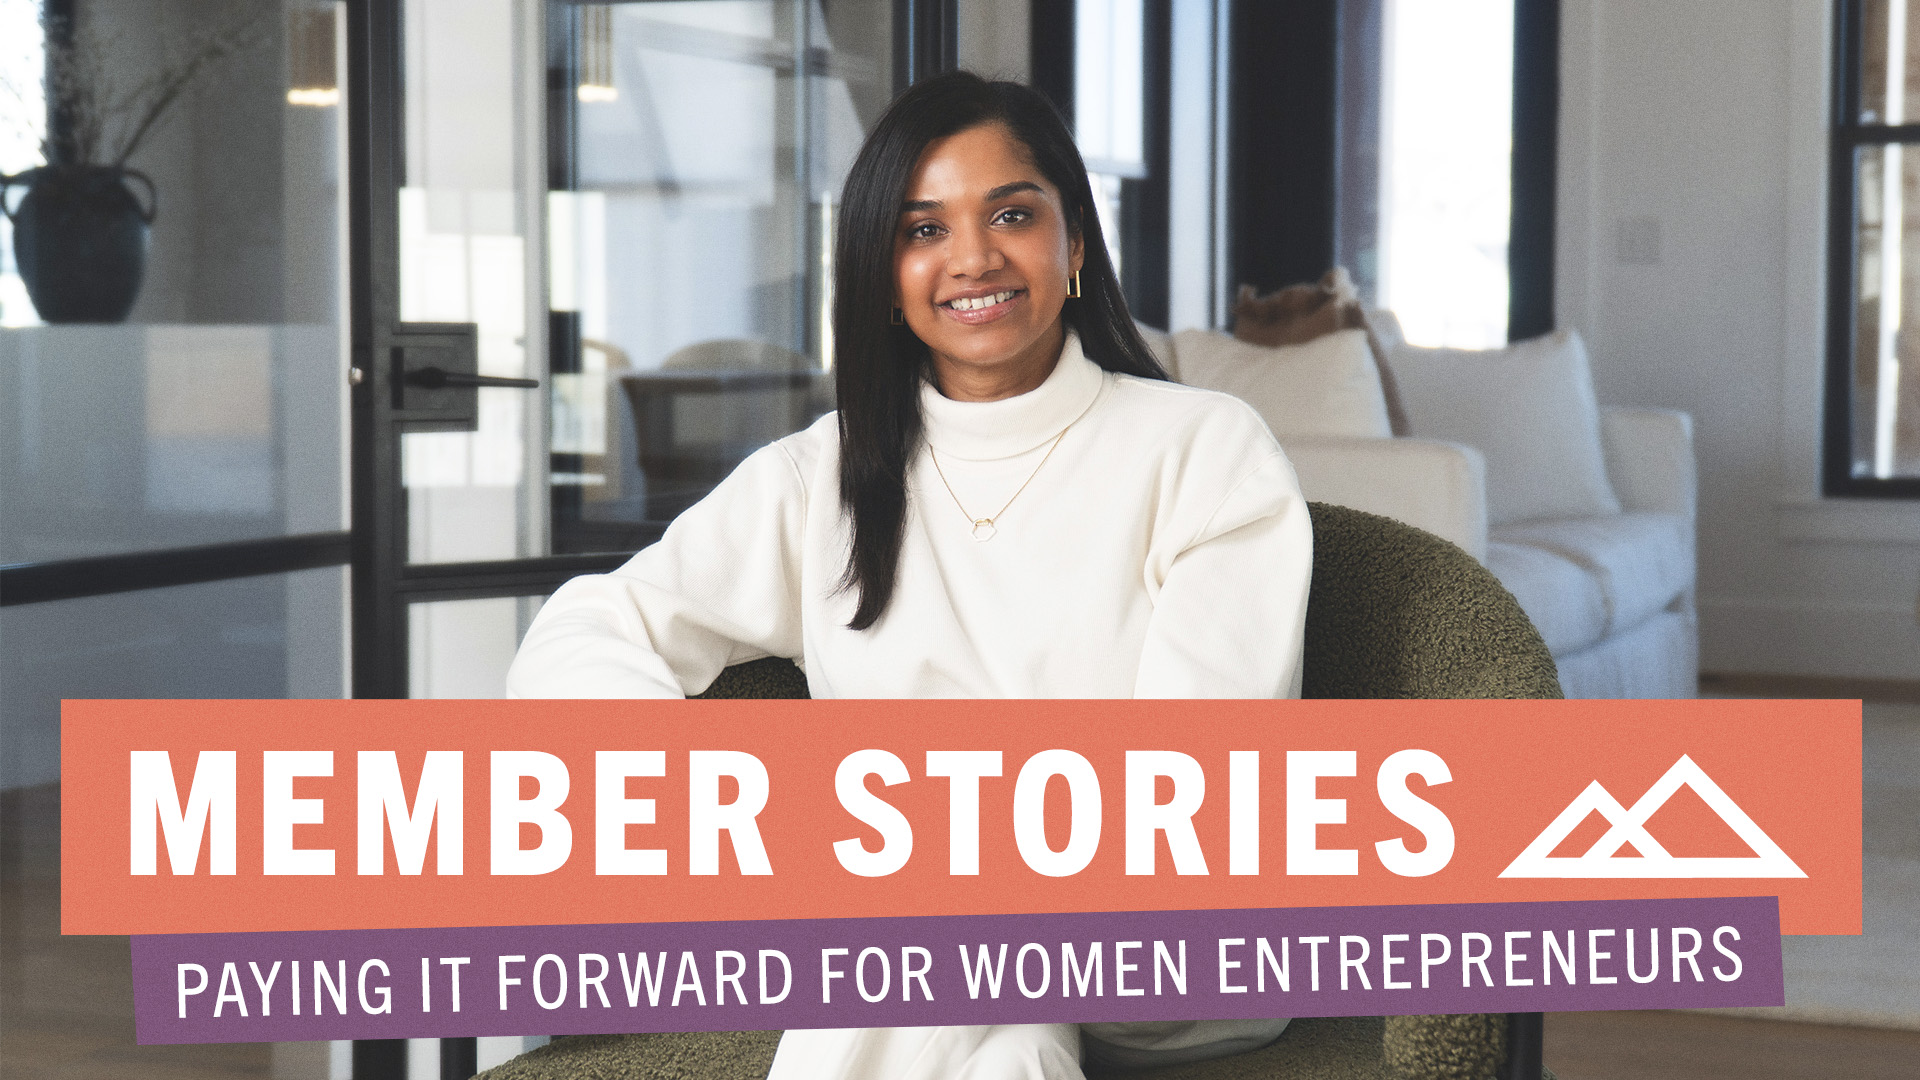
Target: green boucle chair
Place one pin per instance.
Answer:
(1394, 613)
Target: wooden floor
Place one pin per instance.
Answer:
(1693, 1046)
(66, 1004)
(1733, 684)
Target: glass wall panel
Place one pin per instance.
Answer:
(1885, 439)
(206, 403)
(276, 636)
(215, 409)
(210, 406)
(462, 648)
(639, 217)
(140, 437)
(695, 160)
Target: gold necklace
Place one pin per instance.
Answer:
(983, 528)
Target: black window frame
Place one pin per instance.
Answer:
(1847, 136)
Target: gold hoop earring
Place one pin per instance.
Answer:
(1073, 286)
(899, 317)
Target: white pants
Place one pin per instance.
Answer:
(1007, 1051)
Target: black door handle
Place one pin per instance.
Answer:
(437, 378)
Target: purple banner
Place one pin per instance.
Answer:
(986, 969)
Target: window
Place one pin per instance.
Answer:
(1873, 363)
(1109, 104)
(1111, 80)
(1411, 142)
(1446, 141)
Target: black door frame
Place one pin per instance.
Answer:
(384, 581)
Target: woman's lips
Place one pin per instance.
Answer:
(992, 306)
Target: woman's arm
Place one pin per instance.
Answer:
(721, 587)
(1230, 615)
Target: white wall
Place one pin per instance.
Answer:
(1702, 126)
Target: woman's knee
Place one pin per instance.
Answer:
(1026, 1052)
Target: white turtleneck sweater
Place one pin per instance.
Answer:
(1162, 551)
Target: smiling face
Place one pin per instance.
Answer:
(980, 265)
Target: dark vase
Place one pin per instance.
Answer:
(80, 240)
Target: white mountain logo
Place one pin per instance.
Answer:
(1603, 859)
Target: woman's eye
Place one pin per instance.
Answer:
(1014, 216)
(926, 230)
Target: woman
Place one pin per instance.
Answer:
(1011, 501)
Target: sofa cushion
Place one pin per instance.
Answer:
(1563, 600)
(1436, 486)
(1657, 659)
(1299, 313)
(1160, 344)
(1640, 561)
(1529, 408)
(1328, 386)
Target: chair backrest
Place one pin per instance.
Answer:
(1397, 612)
(765, 679)
(1394, 612)
(734, 354)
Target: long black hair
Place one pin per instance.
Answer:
(879, 366)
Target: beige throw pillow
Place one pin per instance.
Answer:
(1327, 386)
(1529, 409)
(1299, 313)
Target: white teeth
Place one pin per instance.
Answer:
(978, 302)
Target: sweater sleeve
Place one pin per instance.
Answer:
(722, 586)
(1230, 615)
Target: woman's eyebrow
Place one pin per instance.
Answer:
(915, 206)
(1016, 187)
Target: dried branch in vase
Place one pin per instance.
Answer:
(96, 114)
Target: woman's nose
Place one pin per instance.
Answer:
(973, 253)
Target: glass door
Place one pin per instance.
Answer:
(695, 152)
(599, 255)
(591, 259)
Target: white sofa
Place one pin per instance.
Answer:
(1613, 595)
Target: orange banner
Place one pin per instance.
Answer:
(231, 816)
